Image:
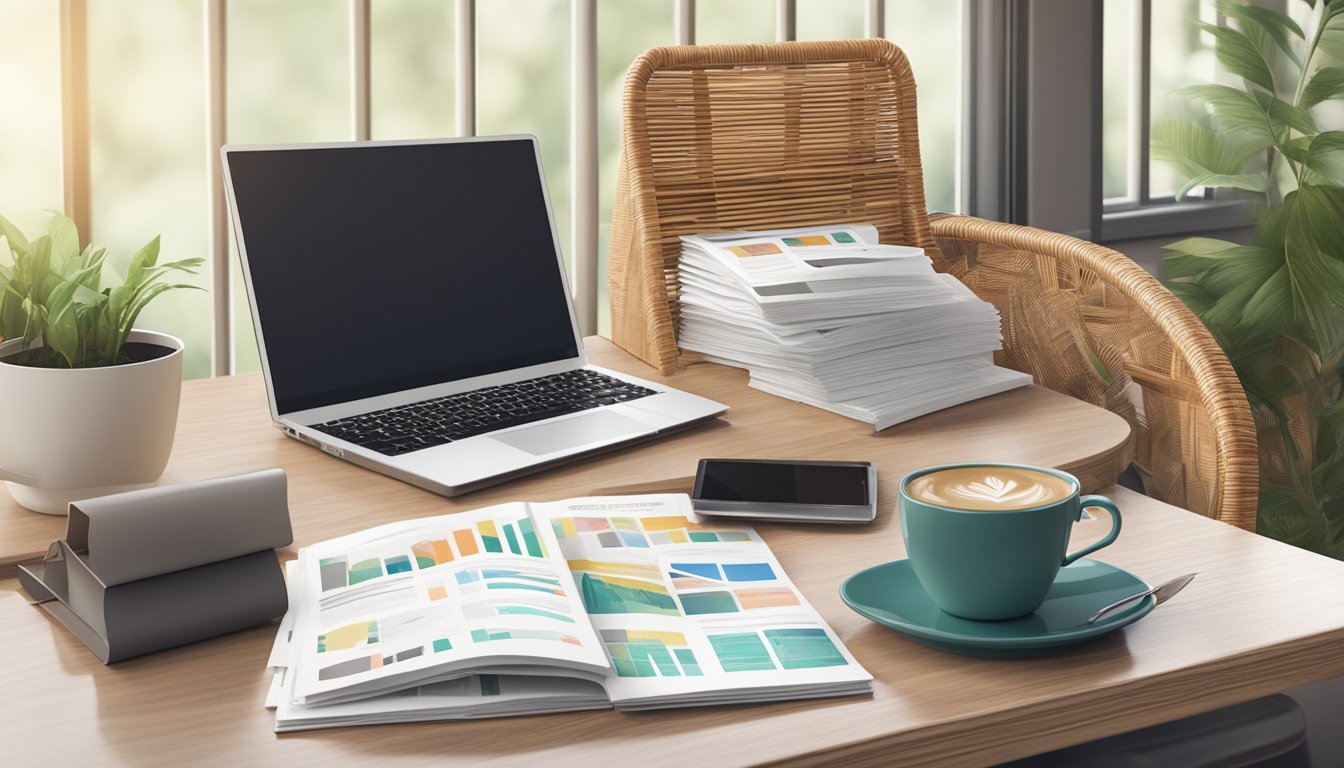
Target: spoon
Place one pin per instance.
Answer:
(1164, 593)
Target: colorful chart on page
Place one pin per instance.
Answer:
(784, 648)
(487, 536)
(493, 635)
(649, 653)
(611, 587)
(707, 587)
(643, 533)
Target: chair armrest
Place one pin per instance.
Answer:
(1087, 321)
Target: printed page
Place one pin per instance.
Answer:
(691, 612)
(429, 599)
(835, 258)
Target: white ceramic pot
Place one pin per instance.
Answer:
(70, 434)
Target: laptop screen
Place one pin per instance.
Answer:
(380, 268)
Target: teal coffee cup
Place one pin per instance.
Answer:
(987, 540)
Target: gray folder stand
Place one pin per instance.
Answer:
(153, 569)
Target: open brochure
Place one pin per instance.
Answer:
(526, 608)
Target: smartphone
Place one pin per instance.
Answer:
(768, 489)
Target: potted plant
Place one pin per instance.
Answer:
(91, 401)
(1276, 305)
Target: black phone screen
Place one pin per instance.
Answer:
(784, 482)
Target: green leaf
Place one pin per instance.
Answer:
(54, 292)
(1234, 110)
(1192, 296)
(17, 242)
(35, 321)
(1273, 24)
(1199, 153)
(1324, 159)
(36, 270)
(64, 240)
(1331, 40)
(142, 260)
(1314, 252)
(1240, 56)
(1327, 83)
(97, 258)
(1251, 182)
(1270, 308)
(62, 331)
(1283, 515)
(1283, 116)
(1196, 255)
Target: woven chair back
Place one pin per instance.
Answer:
(747, 137)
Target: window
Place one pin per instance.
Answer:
(288, 78)
(1150, 50)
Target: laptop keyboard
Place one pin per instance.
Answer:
(406, 428)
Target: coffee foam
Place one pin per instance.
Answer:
(989, 488)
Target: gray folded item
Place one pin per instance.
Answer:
(153, 569)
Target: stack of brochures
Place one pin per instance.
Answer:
(530, 608)
(829, 317)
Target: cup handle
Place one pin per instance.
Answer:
(1109, 506)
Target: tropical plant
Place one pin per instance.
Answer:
(52, 291)
(1277, 305)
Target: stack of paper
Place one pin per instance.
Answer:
(830, 317)
(518, 609)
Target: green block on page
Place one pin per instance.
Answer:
(741, 652)
(842, 237)
(704, 536)
(804, 648)
(708, 602)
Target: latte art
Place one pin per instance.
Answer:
(989, 488)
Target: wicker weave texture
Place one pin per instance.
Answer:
(1089, 322)
(744, 137)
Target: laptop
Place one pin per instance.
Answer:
(413, 317)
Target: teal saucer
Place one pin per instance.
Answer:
(892, 596)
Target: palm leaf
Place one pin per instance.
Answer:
(1199, 153)
(1282, 116)
(1193, 296)
(1324, 159)
(1313, 227)
(1327, 83)
(1274, 25)
(1240, 56)
(1234, 111)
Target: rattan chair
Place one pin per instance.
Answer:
(742, 137)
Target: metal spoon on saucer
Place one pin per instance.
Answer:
(1164, 593)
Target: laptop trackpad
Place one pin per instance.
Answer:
(589, 429)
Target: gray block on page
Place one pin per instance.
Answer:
(154, 569)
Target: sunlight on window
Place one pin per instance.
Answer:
(412, 67)
(1181, 55)
(734, 21)
(1117, 48)
(147, 153)
(30, 131)
(288, 80)
(523, 87)
(625, 29)
(930, 31)
(830, 19)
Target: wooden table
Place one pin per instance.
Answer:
(1262, 617)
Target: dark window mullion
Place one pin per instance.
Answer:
(1145, 76)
